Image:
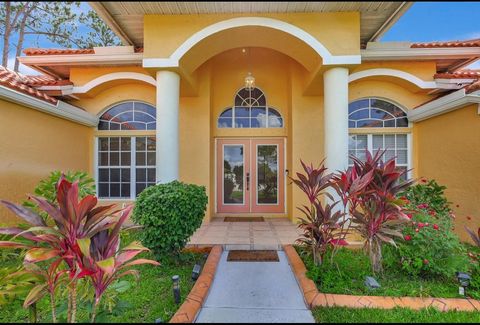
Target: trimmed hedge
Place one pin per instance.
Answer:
(170, 214)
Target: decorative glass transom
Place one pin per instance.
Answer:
(250, 111)
(375, 113)
(129, 116)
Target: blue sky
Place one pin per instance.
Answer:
(423, 22)
(437, 21)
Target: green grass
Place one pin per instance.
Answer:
(347, 274)
(397, 315)
(147, 300)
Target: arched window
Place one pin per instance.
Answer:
(126, 163)
(375, 113)
(385, 117)
(129, 116)
(250, 110)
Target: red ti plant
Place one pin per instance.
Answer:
(322, 225)
(102, 255)
(76, 224)
(475, 236)
(369, 190)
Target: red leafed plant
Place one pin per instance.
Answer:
(369, 191)
(322, 224)
(475, 236)
(66, 245)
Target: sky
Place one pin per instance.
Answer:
(423, 22)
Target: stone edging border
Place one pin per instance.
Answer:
(194, 301)
(313, 298)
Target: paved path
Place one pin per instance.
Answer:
(254, 292)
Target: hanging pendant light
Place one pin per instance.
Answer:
(249, 81)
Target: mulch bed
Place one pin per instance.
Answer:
(252, 256)
(243, 219)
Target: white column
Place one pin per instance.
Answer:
(168, 146)
(336, 118)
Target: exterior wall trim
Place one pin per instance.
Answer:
(412, 54)
(62, 109)
(114, 76)
(393, 73)
(445, 104)
(174, 59)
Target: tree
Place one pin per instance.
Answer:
(62, 23)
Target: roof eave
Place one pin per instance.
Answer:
(420, 53)
(61, 109)
(445, 104)
(391, 20)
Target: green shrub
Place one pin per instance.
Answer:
(46, 188)
(430, 247)
(169, 213)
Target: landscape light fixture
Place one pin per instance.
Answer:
(197, 268)
(176, 288)
(464, 280)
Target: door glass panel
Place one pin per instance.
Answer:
(233, 174)
(267, 174)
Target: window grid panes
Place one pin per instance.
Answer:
(126, 166)
(250, 111)
(145, 163)
(129, 116)
(395, 145)
(375, 113)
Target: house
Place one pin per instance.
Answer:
(233, 95)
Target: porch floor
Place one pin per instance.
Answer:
(270, 234)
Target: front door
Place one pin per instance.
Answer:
(250, 176)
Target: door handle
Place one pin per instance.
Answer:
(248, 181)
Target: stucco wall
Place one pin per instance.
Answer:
(163, 34)
(34, 144)
(448, 151)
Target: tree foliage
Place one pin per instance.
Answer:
(62, 23)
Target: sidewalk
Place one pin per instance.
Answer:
(254, 292)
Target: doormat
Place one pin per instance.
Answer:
(252, 256)
(243, 219)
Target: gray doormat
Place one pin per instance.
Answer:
(252, 256)
(243, 219)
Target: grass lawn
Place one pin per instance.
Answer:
(397, 315)
(347, 274)
(145, 301)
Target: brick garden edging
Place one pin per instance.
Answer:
(313, 298)
(194, 301)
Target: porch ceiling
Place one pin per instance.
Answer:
(126, 18)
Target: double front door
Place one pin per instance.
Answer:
(250, 176)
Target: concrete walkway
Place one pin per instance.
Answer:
(254, 292)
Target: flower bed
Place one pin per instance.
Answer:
(346, 275)
(314, 298)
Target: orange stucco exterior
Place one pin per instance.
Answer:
(34, 144)
(290, 74)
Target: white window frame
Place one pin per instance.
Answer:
(369, 132)
(370, 148)
(133, 135)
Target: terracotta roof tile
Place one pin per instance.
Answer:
(466, 43)
(38, 81)
(40, 51)
(460, 74)
(19, 82)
